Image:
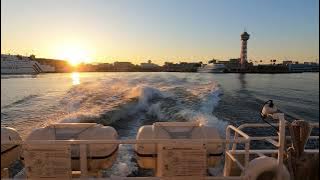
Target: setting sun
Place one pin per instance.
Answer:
(74, 54)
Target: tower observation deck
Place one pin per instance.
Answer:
(243, 56)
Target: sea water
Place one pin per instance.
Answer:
(127, 100)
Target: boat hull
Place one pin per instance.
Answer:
(9, 152)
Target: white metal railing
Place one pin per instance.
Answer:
(229, 153)
(271, 139)
(282, 138)
(268, 138)
(83, 149)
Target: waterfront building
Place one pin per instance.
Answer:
(303, 67)
(221, 62)
(243, 55)
(231, 65)
(286, 62)
(212, 68)
(87, 68)
(148, 65)
(123, 66)
(181, 67)
(314, 63)
(104, 67)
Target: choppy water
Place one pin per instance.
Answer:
(127, 101)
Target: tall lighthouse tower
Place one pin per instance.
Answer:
(243, 56)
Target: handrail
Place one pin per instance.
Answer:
(228, 154)
(270, 139)
(247, 125)
(235, 160)
(238, 131)
(270, 151)
(147, 141)
(256, 138)
(246, 139)
(128, 141)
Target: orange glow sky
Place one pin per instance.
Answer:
(163, 30)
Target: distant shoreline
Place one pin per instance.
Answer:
(163, 72)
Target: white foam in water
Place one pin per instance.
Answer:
(156, 99)
(145, 94)
(123, 169)
(80, 117)
(155, 111)
(123, 165)
(101, 96)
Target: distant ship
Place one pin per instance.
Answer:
(212, 68)
(15, 64)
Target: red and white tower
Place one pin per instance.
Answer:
(243, 56)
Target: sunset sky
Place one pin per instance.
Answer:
(160, 30)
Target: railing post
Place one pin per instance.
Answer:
(227, 164)
(227, 138)
(282, 133)
(234, 145)
(246, 155)
(83, 160)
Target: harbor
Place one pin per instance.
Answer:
(10, 65)
(213, 66)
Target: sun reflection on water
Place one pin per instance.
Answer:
(75, 78)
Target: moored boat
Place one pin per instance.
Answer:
(212, 68)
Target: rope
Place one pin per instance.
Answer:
(270, 125)
(299, 131)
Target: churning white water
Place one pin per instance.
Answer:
(125, 102)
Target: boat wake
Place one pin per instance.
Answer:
(21, 101)
(129, 103)
(126, 103)
(119, 101)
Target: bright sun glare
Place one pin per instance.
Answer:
(74, 54)
(75, 78)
